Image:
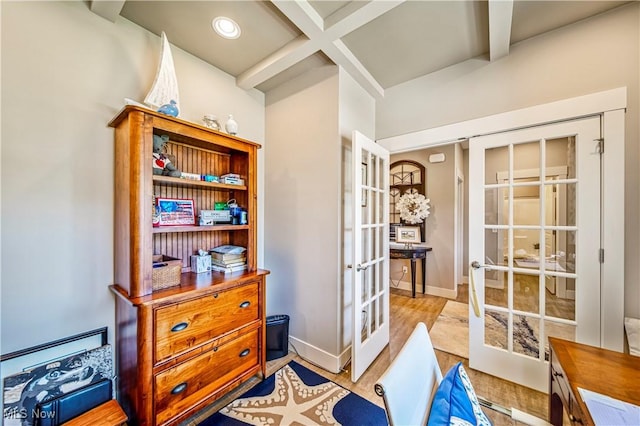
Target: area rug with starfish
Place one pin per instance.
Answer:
(295, 395)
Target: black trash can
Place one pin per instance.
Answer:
(277, 336)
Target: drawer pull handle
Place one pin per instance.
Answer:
(179, 327)
(556, 374)
(215, 349)
(244, 353)
(245, 304)
(179, 388)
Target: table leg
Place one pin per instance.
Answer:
(413, 278)
(424, 274)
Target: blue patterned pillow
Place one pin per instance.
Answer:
(455, 402)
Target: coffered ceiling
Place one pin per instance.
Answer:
(380, 43)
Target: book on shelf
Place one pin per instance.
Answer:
(230, 262)
(229, 268)
(228, 249)
(227, 257)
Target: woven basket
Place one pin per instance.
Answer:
(166, 271)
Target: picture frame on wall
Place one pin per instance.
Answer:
(175, 211)
(408, 234)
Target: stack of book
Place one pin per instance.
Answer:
(228, 258)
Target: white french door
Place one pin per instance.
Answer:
(534, 234)
(370, 269)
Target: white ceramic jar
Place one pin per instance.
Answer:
(231, 126)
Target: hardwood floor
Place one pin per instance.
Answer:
(406, 312)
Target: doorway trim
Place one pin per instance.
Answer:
(611, 105)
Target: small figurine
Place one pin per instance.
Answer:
(169, 109)
(163, 164)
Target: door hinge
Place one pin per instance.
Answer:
(601, 255)
(600, 145)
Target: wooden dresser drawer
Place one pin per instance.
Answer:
(557, 375)
(185, 325)
(182, 386)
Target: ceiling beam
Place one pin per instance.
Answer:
(294, 52)
(320, 35)
(108, 9)
(356, 15)
(500, 17)
(341, 55)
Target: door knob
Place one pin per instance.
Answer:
(476, 265)
(359, 267)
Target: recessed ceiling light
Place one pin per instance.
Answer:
(226, 27)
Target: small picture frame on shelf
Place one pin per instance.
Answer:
(175, 211)
(408, 234)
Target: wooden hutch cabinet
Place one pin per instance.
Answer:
(182, 347)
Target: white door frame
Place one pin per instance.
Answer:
(611, 104)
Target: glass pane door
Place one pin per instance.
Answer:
(371, 247)
(540, 276)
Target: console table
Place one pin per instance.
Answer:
(413, 254)
(574, 365)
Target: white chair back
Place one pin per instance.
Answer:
(410, 382)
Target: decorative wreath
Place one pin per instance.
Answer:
(413, 207)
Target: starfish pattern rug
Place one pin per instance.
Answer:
(295, 395)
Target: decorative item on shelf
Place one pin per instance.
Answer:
(212, 217)
(220, 205)
(232, 179)
(166, 271)
(155, 213)
(211, 121)
(163, 164)
(190, 176)
(413, 207)
(169, 109)
(201, 262)
(210, 178)
(235, 211)
(164, 89)
(231, 126)
(176, 211)
(408, 235)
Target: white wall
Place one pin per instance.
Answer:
(65, 72)
(593, 55)
(308, 185)
(357, 112)
(302, 208)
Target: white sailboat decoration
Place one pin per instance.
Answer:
(165, 86)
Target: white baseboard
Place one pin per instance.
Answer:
(442, 292)
(320, 357)
(433, 291)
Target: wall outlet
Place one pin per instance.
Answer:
(404, 269)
